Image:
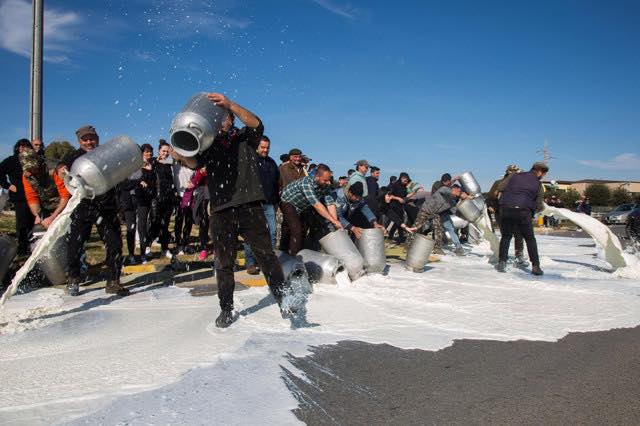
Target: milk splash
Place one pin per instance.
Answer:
(607, 241)
(57, 229)
(342, 279)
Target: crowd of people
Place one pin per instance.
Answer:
(235, 188)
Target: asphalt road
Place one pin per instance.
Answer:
(584, 378)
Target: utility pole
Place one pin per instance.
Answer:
(35, 107)
(546, 155)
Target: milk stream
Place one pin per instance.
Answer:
(484, 225)
(342, 278)
(57, 229)
(607, 241)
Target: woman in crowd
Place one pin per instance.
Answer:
(144, 196)
(162, 204)
(194, 205)
(127, 204)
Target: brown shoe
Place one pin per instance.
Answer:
(114, 287)
(253, 270)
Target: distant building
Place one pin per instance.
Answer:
(581, 185)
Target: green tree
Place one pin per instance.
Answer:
(569, 197)
(57, 150)
(620, 196)
(599, 194)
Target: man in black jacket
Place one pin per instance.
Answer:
(521, 195)
(269, 178)
(101, 210)
(373, 190)
(11, 167)
(236, 203)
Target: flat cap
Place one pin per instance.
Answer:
(86, 130)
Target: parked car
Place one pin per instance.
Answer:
(618, 216)
(633, 225)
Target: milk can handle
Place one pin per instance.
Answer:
(195, 128)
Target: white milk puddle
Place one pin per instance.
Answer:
(156, 357)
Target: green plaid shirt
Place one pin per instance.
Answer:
(305, 192)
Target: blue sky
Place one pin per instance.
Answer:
(421, 86)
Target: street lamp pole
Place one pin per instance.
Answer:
(35, 107)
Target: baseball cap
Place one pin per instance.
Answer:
(295, 151)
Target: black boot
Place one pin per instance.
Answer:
(114, 287)
(502, 266)
(535, 270)
(225, 319)
(73, 286)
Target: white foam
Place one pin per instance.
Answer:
(156, 357)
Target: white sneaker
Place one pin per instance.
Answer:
(168, 254)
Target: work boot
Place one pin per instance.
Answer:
(520, 261)
(460, 251)
(253, 270)
(73, 286)
(536, 270)
(114, 287)
(502, 266)
(225, 319)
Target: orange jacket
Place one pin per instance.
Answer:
(32, 195)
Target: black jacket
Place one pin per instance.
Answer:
(11, 167)
(269, 177)
(372, 194)
(232, 168)
(164, 190)
(144, 196)
(126, 191)
(106, 201)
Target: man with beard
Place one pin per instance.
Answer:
(521, 196)
(236, 203)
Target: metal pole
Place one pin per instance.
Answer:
(35, 117)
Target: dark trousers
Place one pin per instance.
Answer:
(183, 225)
(518, 240)
(305, 228)
(247, 220)
(143, 225)
(398, 209)
(516, 220)
(159, 228)
(203, 224)
(108, 224)
(130, 222)
(24, 224)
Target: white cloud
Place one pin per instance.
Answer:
(15, 30)
(344, 10)
(626, 161)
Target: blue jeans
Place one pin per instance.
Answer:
(270, 215)
(447, 224)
